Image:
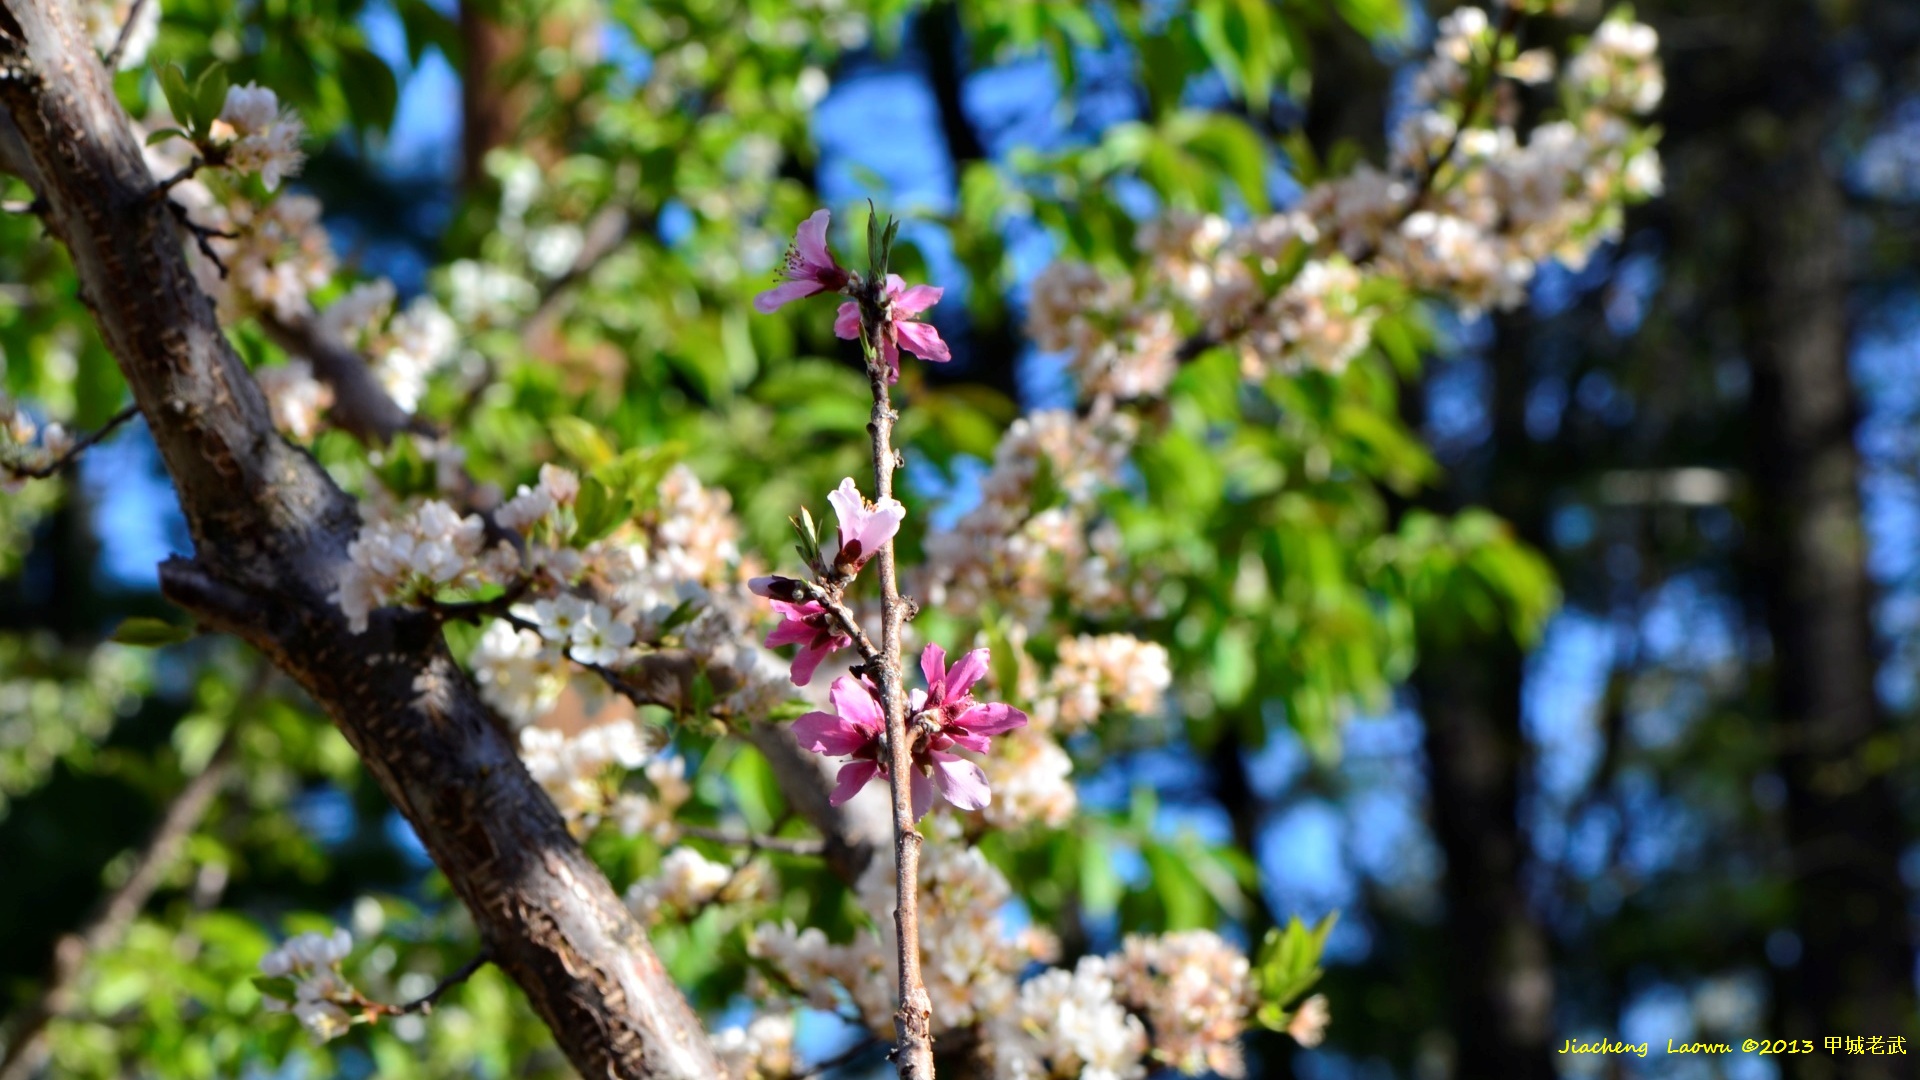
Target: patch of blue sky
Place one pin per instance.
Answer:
(1566, 679)
(136, 515)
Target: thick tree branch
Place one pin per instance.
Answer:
(270, 531)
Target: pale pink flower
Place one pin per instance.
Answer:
(899, 331)
(864, 528)
(809, 268)
(804, 624)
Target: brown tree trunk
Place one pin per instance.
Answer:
(1469, 684)
(270, 532)
(1855, 973)
(489, 111)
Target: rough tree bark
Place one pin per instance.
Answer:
(270, 532)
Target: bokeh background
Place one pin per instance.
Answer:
(1680, 806)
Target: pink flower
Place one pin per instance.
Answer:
(948, 702)
(918, 338)
(806, 625)
(856, 730)
(810, 268)
(864, 529)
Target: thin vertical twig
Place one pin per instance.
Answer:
(913, 1022)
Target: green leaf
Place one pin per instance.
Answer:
(581, 441)
(173, 83)
(209, 96)
(150, 633)
(598, 511)
(164, 134)
(372, 92)
(279, 987)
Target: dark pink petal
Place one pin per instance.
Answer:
(852, 700)
(991, 719)
(791, 632)
(917, 299)
(811, 240)
(923, 341)
(933, 664)
(853, 776)
(961, 781)
(922, 789)
(965, 673)
(825, 733)
(979, 744)
(781, 295)
(846, 322)
(810, 656)
(890, 353)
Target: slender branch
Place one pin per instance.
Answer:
(112, 60)
(105, 930)
(913, 1021)
(80, 446)
(192, 169)
(425, 1003)
(203, 235)
(782, 845)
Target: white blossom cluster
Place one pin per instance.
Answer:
(1193, 989)
(1180, 1000)
(1468, 213)
(418, 556)
(970, 963)
(1014, 553)
(18, 434)
(762, 1050)
(1097, 675)
(687, 881)
(1029, 774)
(321, 992)
(276, 256)
(294, 397)
(405, 348)
(579, 770)
(1068, 1024)
(256, 136)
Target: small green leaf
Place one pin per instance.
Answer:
(173, 83)
(209, 96)
(598, 511)
(279, 988)
(581, 441)
(164, 134)
(151, 633)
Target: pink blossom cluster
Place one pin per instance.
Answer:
(810, 270)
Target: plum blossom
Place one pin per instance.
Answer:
(809, 268)
(864, 528)
(804, 624)
(259, 137)
(899, 330)
(320, 993)
(946, 711)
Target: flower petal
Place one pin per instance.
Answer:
(890, 352)
(810, 656)
(933, 664)
(961, 781)
(917, 299)
(826, 733)
(991, 719)
(846, 322)
(849, 507)
(979, 744)
(923, 341)
(853, 700)
(791, 632)
(781, 295)
(965, 673)
(853, 776)
(811, 240)
(922, 789)
(879, 525)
